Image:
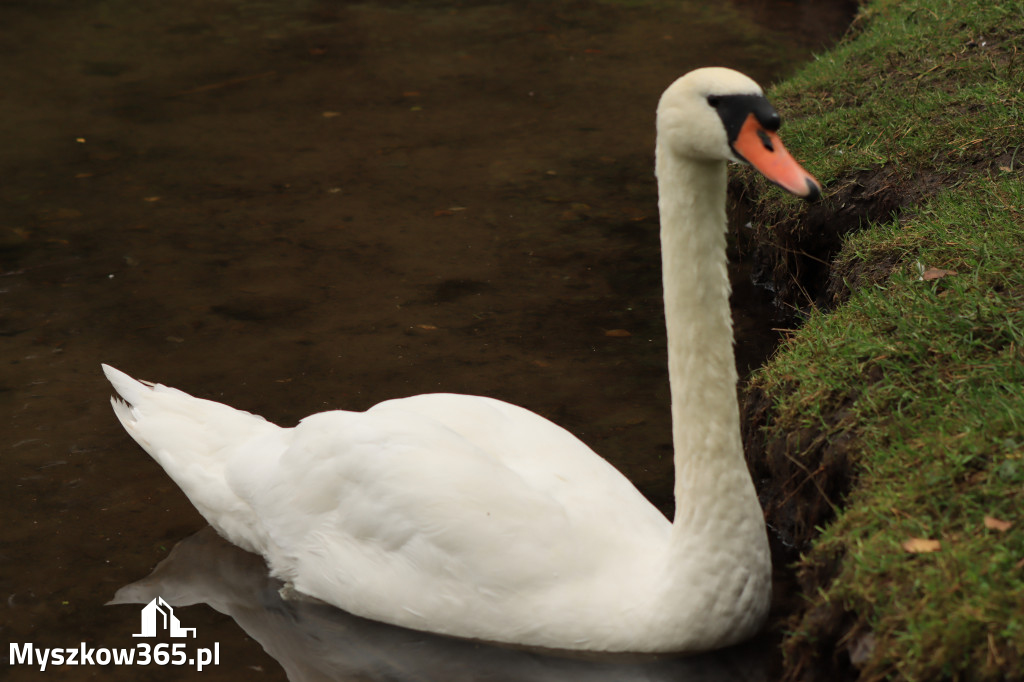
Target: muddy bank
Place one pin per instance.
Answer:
(885, 434)
(805, 471)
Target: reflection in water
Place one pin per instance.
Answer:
(313, 641)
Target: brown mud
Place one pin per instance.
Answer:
(803, 473)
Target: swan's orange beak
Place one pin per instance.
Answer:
(763, 150)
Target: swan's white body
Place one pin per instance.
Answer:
(475, 518)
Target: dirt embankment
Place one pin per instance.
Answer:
(804, 472)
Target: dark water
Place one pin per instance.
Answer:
(295, 206)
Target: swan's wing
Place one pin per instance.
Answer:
(548, 458)
(424, 508)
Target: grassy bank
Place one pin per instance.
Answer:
(894, 422)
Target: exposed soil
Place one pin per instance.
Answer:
(806, 472)
(803, 473)
(793, 253)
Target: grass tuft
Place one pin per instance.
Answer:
(919, 370)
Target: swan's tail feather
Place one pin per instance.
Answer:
(193, 440)
(176, 424)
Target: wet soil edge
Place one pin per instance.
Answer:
(804, 472)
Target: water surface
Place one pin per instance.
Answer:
(296, 206)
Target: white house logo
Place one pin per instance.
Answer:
(157, 619)
(159, 613)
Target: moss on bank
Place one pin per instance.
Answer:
(888, 433)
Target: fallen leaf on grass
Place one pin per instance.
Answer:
(921, 545)
(993, 523)
(936, 273)
(862, 648)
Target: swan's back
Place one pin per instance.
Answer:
(547, 457)
(458, 514)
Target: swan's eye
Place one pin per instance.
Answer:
(714, 100)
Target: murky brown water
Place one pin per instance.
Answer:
(294, 206)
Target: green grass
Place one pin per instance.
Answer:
(927, 84)
(934, 371)
(931, 372)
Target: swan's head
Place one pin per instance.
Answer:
(717, 114)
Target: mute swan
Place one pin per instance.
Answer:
(472, 517)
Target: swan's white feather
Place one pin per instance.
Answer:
(420, 511)
(193, 440)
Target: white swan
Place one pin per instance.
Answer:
(475, 518)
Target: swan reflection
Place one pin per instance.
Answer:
(316, 642)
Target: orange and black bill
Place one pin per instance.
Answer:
(751, 122)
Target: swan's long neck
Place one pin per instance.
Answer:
(717, 564)
(714, 494)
